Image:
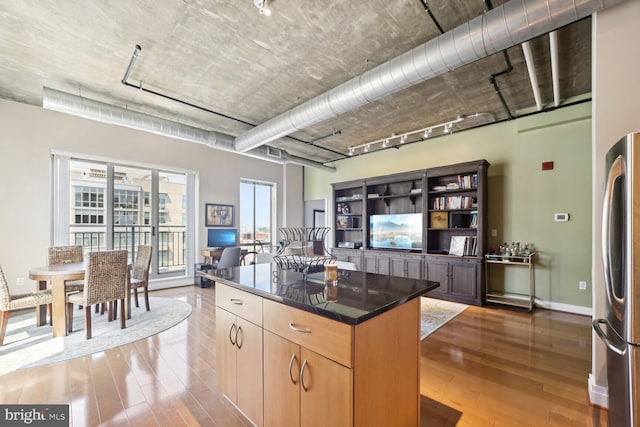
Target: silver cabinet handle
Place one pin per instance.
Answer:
(617, 170)
(293, 359)
(304, 365)
(231, 340)
(236, 301)
(619, 347)
(238, 341)
(299, 328)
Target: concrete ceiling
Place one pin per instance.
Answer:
(243, 68)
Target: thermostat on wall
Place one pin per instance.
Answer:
(561, 217)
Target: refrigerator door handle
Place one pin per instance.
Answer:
(619, 347)
(616, 171)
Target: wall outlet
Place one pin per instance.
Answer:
(582, 285)
(20, 281)
(494, 232)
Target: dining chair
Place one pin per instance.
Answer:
(139, 277)
(105, 281)
(10, 302)
(230, 257)
(66, 255)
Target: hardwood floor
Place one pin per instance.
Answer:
(487, 367)
(499, 366)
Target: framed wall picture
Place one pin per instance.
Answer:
(218, 215)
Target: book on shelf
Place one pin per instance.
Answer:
(474, 219)
(453, 202)
(467, 181)
(463, 246)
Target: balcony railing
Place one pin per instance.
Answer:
(171, 242)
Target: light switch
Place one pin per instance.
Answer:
(561, 217)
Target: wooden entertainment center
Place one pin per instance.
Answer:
(448, 248)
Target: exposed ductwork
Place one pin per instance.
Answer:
(94, 110)
(508, 25)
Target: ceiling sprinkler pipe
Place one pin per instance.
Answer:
(134, 56)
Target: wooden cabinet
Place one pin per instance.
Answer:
(451, 201)
(312, 389)
(239, 349)
(320, 372)
(458, 278)
(350, 211)
(349, 255)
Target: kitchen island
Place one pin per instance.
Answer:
(287, 356)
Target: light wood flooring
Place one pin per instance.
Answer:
(487, 367)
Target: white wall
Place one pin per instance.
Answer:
(616, 112)
(28, 133)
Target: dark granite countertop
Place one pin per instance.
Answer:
(361, 296)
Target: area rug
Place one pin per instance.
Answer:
(435, 313)
(26, 345)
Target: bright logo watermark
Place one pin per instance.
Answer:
(34, 415)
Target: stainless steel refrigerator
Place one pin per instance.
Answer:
(620, 330)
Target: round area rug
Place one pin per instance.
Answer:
(26, 345)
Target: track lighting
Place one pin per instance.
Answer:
(263, 7)
(446, 128)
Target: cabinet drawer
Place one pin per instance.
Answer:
(240, 303)
(327, 337)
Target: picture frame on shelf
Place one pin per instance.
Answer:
(217, 215)
(439, 219)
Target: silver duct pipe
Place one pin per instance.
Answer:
(505, 26)
(94, 110)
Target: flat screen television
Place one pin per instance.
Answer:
(222, 237)
(396, 231)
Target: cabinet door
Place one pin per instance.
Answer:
(383, 265)
(438, 271)
(370, 264)
(249, 370)
(326, 392)
(281, 381)
(226, 353)
(414, 267)
(397, 266)
(464, 279)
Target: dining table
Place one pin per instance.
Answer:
(57, 275)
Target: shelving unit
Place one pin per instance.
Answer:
(455, 193)
(349, 209)
(518, 300)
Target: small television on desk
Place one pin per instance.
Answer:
(222, 237)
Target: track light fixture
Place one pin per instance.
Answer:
(422, 134)
(263, 7)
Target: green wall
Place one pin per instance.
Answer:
(522, 199)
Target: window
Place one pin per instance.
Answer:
(104, 205)
(257, 213)
(88, 206)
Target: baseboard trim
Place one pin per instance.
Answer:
(598, 395)
(568, 308)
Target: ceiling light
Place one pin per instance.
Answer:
(263, 7)
(447, 127)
